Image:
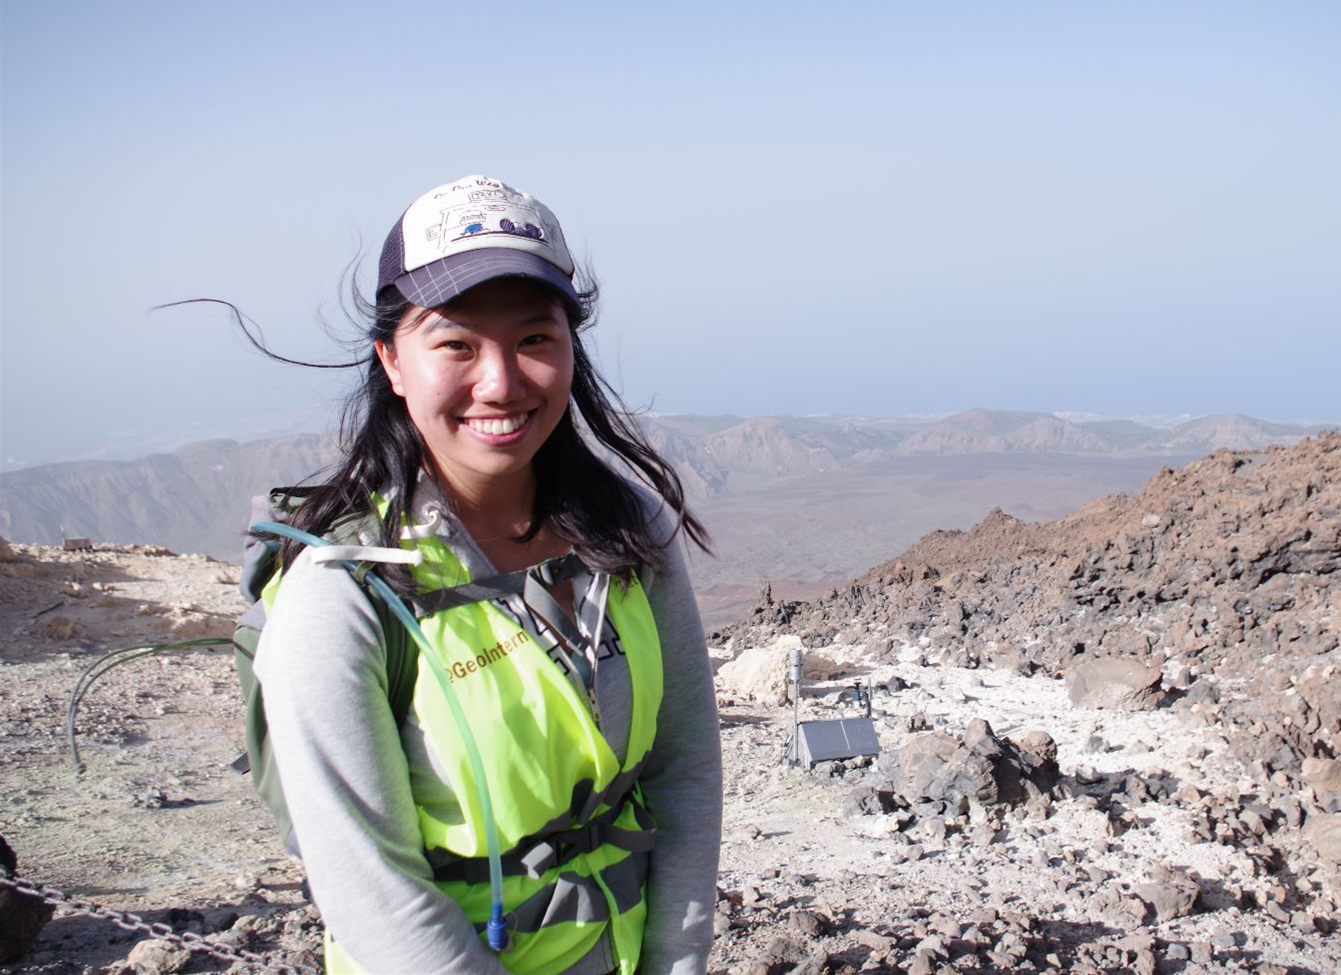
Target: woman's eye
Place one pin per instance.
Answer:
(453, 345)
(537, 339)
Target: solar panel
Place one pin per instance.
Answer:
(824, 741)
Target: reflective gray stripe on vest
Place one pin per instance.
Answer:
(562, 847)
(575, 898)
(536, 853)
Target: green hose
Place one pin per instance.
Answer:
(113, 658)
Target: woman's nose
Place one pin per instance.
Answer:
(500, 378)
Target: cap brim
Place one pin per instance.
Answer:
(438, 283)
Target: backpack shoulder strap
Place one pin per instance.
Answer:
(402, 662)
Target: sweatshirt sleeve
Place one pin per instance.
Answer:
(682, 781)
(322, 667)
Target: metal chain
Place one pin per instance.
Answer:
(130, 922)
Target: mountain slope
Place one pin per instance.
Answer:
(1227, 572)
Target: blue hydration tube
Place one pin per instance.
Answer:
(496, 927)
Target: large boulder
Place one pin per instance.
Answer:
(154, 956)
(1167, 899)
(1323, 833)
(979, 767)
(760, 673)
(1114, 684)
(1323, 774)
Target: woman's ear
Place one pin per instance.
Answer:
(386, 353)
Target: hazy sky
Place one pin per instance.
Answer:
(792, 208)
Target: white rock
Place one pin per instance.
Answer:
(760, 673)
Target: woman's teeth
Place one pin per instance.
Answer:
(497, 427)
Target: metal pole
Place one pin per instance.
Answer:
(795, 668)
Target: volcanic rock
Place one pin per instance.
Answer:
(154, 957)
(783, 954)
(1122, 685)
(980, 767)
(1167, 900)
(1324, 833)
(1322, 773)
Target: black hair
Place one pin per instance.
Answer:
(579, 496)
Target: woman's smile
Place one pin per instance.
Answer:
(497, 428)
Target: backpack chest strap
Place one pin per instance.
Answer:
(546, 573)
(534, 856)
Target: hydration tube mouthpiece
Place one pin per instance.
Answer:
(497, 928)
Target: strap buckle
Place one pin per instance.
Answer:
(562, 847)
(553, 571)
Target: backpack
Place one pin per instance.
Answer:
(260, 556)
(259, 564)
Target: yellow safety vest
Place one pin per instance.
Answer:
(574, 833)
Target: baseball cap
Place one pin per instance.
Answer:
(469, 231)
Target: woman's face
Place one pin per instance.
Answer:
(485, 381)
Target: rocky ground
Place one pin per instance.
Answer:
(1037, 806)
(1150, 847)
(156, 824)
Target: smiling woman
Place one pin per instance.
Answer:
(485, 383)
(588, 695)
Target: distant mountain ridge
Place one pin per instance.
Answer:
(195, 499)
(984, 432)
(714, 450)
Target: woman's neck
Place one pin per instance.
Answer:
(496, 512)
(499, 507)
